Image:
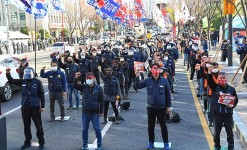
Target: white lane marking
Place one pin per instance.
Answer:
(15, 109)
(103, 132)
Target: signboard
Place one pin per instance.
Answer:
(229, 7)
(226, 99)
(139, 66)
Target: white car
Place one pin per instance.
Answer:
(7, 89)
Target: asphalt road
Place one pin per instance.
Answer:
(130, 134)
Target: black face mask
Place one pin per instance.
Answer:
(70, 62)
(109, 74)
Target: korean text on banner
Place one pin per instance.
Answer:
(139, 66)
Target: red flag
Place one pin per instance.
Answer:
(101, 3)
(163, 11)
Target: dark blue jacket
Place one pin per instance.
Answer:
(158, 92)
(125, 68)
(216, 90)
(130, 60)
(32, 92)
(242, 52)
(140, 56)
(111, 85)
(56, 80)
(224, 48)
(70, 70)
(205, 45)
(95, 62)
(109, 56)
(173, 53)
(93, 98)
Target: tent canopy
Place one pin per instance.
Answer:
(13, 35)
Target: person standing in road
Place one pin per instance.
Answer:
(111, 94)
(56, 86)
(92, 107)
(95, 62)
(224, 51)
(70, 69)
(23, 65)
(32, 104)
(222, 111)
(158, 103)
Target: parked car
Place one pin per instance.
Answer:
(6, 89)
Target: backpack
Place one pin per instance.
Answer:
(174, 116)
(125, 106)
(112, 118)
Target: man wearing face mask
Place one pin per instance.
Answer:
(56, 86)
(130, 58)
(108, 55)
(158, 103)
(84, 65)
(111, 94)
(118, 72)
(92, 107)
(224, 50)
(32, 104)
(22, 66)
(222, 111)
(95, 62)
(193, 60)
(125, 68)
(243, 52)
(140, 58)
(215, 72)
(168, 64)
(70, 69)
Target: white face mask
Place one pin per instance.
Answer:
(215, 70)
(54, 68)
(94, 54)
(89, 82)
(121, 59)
(83, 56)
(165, 58)
(190, 43)
(99, 52)
(169, 47)
(130, 53)
(208, 65)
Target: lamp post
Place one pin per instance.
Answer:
(7, 4)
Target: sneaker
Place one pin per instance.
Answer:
(70, 107)
(62, 119)
(25, 146)
(99, 147)
(117, 121)
(84, 147)
(210, 124)
(52, 118)
(105, 121)
(41, 147)
(150, 145)
(244, 82)
(166, 146)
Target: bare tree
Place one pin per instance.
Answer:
(86, 16)
(71, 17)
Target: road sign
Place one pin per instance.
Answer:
(229, 7)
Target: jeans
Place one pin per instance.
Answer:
(94, 118)
(72, 90)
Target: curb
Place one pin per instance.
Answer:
(240, 127)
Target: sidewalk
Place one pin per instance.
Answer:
(240, 113)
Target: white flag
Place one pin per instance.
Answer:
(185, 12)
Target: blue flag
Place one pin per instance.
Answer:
(92, 3)
(39, 8)
(57, 4)
(110, 8)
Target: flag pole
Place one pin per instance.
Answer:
(35, 40)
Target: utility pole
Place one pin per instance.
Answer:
(7, 25)
(230, 40)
